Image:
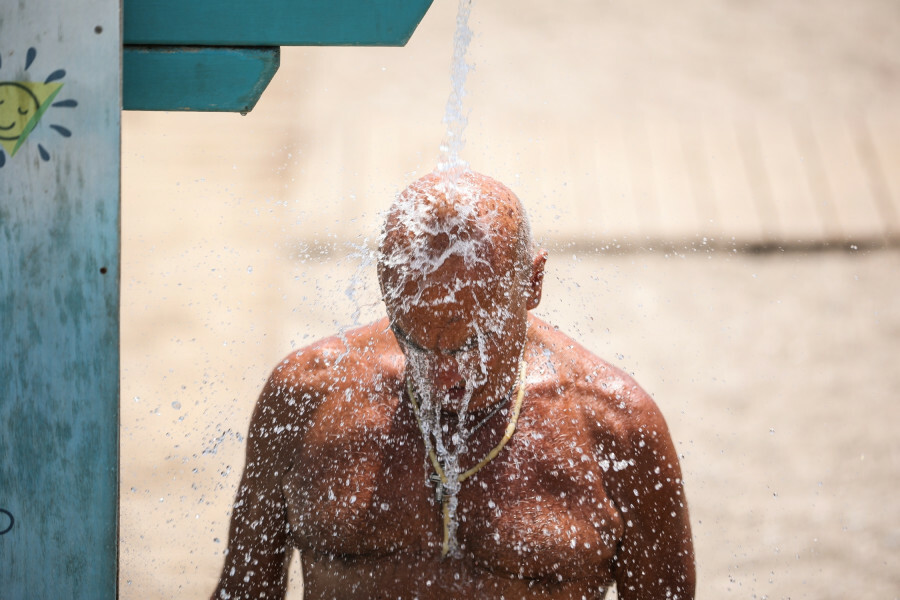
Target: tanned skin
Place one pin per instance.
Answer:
(587, 493)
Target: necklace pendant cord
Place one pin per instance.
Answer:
(435, 463)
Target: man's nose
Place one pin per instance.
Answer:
(445, 372)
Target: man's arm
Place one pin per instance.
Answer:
(655, 558)
(258, 552)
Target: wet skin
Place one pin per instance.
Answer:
(587, 492)
(546, 519)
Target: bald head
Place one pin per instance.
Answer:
(458, 275)
(476, 233)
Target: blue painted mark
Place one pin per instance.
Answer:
(43, 152)
(66, 104)
(2, 158)
(29, 57)
(61, 130)
(57, 74)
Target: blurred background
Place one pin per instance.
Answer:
(718, 185)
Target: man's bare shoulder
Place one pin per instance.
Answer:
(364, 358)
(358, 354)
(624, 423)
(611, 398)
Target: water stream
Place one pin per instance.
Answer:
(422, 260)
(450, 165)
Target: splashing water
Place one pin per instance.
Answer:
(450, 165)
(449, 215)
(440, 250)
(471, 365)
(419, 212)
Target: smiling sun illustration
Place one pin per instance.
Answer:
(23, 103)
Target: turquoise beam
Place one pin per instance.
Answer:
(272, 22)
(195, 78)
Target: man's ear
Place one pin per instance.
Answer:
(536, 284)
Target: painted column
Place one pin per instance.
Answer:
(60, 101)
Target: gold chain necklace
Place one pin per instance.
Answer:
(510, 430)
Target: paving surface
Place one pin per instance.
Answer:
(654, 145)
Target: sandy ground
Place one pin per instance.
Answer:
(245, 237)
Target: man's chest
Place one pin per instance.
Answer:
(538, 510)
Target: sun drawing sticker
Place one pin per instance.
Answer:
(23, 103)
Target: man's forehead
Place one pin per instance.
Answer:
(454, 299)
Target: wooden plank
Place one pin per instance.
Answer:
(636, 140)
(738, 218)
(696, 159)
(200, 79)
(677, 208)
(59, 305)
(855, 208)
(878, 146)
(799, 217)
(817, 176)
(272, 22)
(617, 218)
(758, 178)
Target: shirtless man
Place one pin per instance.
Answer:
(461, 447)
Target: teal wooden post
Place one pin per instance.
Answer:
(60, 65)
